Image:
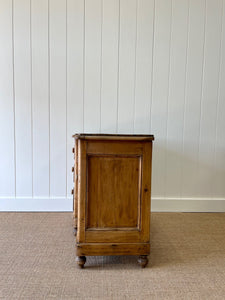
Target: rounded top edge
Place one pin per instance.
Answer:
(92, 136)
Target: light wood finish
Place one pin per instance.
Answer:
(96, 249)
(112, 176)
(75, 179)
(81, 205)
(114, 147)
(81, 261)
(143, 260)
(111, 137)
(112, 191)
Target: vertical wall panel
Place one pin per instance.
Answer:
(40, 96)
(209, 97)
(75, 47)
(143, 84)
(110, 44)
(161, 72)
(127, 65)
(219, 167)
(192, 108)
(23, 101)
(92, 65)
(108, 66)
(7, 171)
(58, 100)
(176, 96)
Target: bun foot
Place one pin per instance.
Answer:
(143, 260)
(75, 231)
(81, 261)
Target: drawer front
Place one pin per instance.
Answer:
(114, 191)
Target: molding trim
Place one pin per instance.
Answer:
(36, 204)
(63, 204)
(188, 204)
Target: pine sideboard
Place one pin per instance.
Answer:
(112, 195)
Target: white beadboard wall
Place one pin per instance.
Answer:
(112, 66)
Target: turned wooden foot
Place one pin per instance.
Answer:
(143, 260)
(81, 261)
(75, 231)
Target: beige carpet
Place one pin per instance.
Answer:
(37, 260)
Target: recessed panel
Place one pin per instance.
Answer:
(113, 192)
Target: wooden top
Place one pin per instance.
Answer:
(127, 137)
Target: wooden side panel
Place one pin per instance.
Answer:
(113, 198)
(146, 192)
(81, 191)
(113, 236)
(113, 249)
(75, 179)
(99, 147)
(114, 190)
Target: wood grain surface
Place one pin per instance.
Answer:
(112, 196)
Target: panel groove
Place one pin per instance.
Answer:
(135, 64)
(31, 101)
(219, 162)
(152, 69)
(127, 66)
(22, 97)
(84, 46)
(58, 96)
(109, 64)
(185, 94)
(218, 86)
(202, 80)
(66, 96)
(49, 101)
(7, 176)
(168, 94)
(14, 99)
(100, 104)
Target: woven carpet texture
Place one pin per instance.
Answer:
(187, 261)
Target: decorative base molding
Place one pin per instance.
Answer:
(35, 204)
(188, 204)
(63, 204)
